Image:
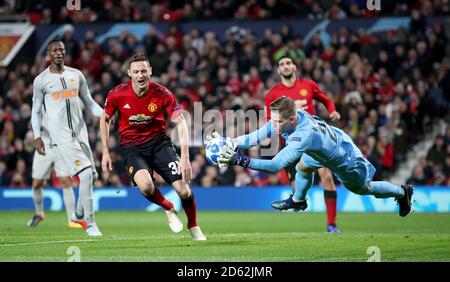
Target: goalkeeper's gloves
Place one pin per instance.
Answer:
(229, 156)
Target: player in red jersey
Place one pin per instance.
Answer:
(303, 92)
(141, 106)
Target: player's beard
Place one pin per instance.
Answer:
(288, 76)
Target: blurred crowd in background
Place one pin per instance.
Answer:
(389, 89)
(56, 11)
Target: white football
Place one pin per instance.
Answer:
(213, 149)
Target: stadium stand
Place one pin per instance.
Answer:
(390, 89)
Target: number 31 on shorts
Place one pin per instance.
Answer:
(175, 167)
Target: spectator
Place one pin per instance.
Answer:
(418, 177)
(436, 154)
(396, 83)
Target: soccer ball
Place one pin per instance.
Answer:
(213, 149)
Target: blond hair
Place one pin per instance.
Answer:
(284, 105)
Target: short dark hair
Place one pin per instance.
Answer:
(53, 41)
(138, 58)
(285, 56)
(284, 105)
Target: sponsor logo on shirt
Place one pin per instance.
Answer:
(126, 106)
(140, 119)
(64, 94)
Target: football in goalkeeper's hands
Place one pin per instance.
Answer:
(213, 148)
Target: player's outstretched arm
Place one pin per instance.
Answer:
(183, 136)
(289, 154)
(104, 135)
(254, 138)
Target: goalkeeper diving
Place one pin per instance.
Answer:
(318, 145)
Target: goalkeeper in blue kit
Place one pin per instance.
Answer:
(317, 144)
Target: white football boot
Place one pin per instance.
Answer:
(174, 221)
(197, 234)
(93, 230)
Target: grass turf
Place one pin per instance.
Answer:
(232, 236)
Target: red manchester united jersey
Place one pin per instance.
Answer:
(141, 118)
(303, 92)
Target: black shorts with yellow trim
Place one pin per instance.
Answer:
(158, 154)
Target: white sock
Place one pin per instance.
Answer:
(69, 201)
(85, 195)
(38, 198)
(79, 209)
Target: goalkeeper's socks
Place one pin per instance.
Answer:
(158, 198)
(384, 189)
(190, 208)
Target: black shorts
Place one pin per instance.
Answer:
(158, 154)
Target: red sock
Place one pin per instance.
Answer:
(330, 202)
(190, 208)
(159, 199)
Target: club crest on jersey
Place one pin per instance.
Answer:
(77, 162)
(152, 107)
(72, 82)
(130, 170)
(303, 92)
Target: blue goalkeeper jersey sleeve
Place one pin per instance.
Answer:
(255, 138)
(328, 145)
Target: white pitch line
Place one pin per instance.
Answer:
(171, 236)
(45, 243)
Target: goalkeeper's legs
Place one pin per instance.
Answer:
(359, 181)
(304, 178)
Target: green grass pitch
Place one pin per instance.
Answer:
(232, 236)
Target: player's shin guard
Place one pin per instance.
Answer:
(85, 197)
(330, 202)
(158, 199)
(384, 189)
(303, 181)
(190, 208)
